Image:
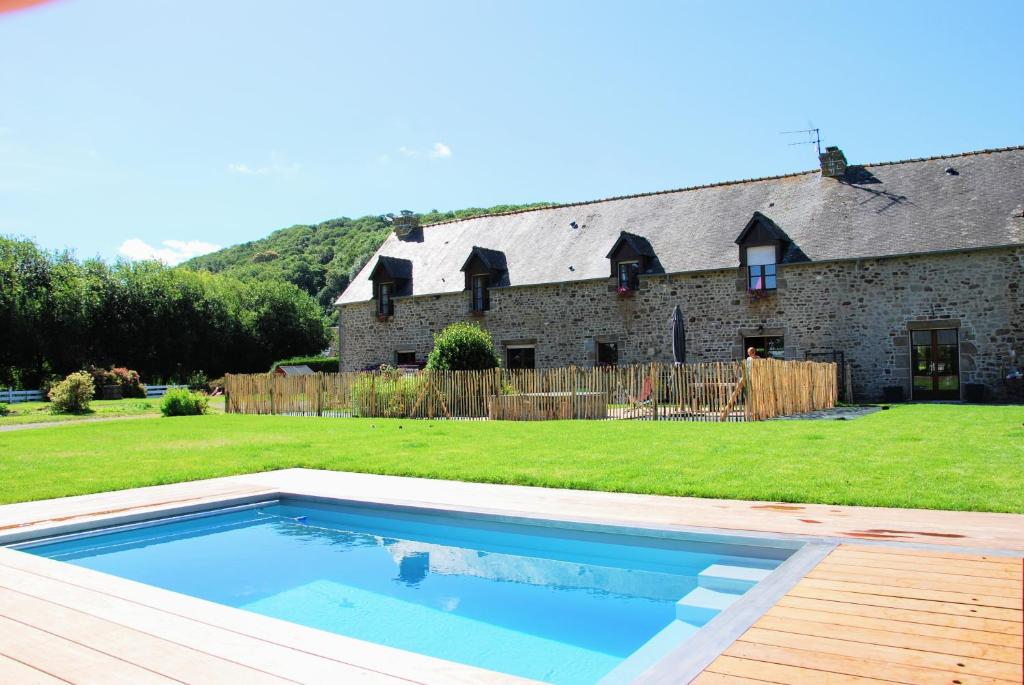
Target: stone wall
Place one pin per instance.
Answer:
(862, 308)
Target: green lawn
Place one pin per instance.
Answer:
(39, 412)
(932, 456)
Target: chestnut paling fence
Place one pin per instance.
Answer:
(715, 391)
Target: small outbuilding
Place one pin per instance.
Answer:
(297, 370)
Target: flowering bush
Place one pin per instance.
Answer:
(73, 394)
(758, 294)
(623, 291)
(181, 402)
(129, 380)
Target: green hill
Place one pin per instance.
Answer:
(321, 259)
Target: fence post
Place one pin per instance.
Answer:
(654, 391)
(319, 394)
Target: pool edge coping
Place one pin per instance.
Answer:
(720, 627)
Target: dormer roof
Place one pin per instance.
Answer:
(639, 244)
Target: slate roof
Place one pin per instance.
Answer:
(876, 210)
(491, 259)
(295, 370)
(638, 243)
(395, 267)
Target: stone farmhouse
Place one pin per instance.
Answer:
(910, 272)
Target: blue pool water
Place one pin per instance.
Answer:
(545, 602)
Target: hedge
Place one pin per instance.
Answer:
(321, 364)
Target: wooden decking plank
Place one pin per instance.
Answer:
(920, 581)
(966, 568)
(934, 576)
(930, 554)
(881, 637)
(999, 670)
(853, 666)
(709, 678)
(956, 609)
(974, 599)
(272, 658)
(12, 671)
(70, 661)
(785, 674)
(858, 619)
(162, 656)
(313, 655)
(926, 616)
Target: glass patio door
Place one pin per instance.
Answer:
(935, 364)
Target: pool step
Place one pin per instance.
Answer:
(701, 605)
(735, 579)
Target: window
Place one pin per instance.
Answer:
(385, 307)
(405, 357)
(767, 346)
(629, 275)
(607, 353)
(520, 357)
(481, 295)
(761, 267)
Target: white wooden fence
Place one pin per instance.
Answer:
(11, 396)
(161, 390)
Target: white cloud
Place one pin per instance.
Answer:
(440, 151)
(407, 151)
(276, 166)
(245, 169)
(173, 251)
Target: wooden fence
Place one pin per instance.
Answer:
(715, 391)
(11, 396)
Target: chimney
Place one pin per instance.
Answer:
(404, 224)
(833, 162)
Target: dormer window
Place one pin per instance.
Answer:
(762, 244)
(630, 256)
(761, 267)
(391, 277)
(385, 306)
(629, 275)
(484, 269)
(481, 296)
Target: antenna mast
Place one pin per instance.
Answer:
(813, 137)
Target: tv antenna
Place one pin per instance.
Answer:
(813, 137)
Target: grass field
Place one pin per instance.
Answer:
(928, 456)
(39, 412)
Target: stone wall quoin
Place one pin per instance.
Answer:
(859, 307)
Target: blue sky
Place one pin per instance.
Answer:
(169, 126)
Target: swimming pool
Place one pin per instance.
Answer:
(536, 599)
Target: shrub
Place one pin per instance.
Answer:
(321, 364)
(463, 347)
(215, 384)
(73, 394)
(181, 402)
(129, 380)
(388, 394)
(4, 409)
(197, 380)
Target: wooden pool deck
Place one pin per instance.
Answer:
(883, 615)
(906, 596)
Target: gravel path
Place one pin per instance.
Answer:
(837, 414)
(73, 422)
